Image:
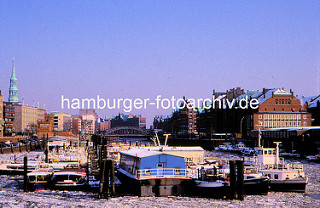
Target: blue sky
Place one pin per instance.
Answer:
(120, 49)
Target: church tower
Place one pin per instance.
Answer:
(13, 90)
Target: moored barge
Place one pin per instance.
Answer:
(150, 173)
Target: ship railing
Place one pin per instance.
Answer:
(283, 166)
(162, 173)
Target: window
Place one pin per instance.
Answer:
(148, 171)
(160, 165)
(304, 117)
(177, 171)
(260, 116)
(276, 176)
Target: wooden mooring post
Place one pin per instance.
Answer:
(112, 178)
(107, 179)
(25, 174)
(232, 179)
(102, 178)
(236, 179)
(240, 179)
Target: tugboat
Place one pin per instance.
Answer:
(215, 179)
(283, 176)
(212, 179)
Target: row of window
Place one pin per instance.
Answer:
(282, 116)
(277, 124)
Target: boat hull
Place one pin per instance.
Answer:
(152, 186)
(70, 186)
(291, 185)
(209, 189)
(256, 186)
(38, 186)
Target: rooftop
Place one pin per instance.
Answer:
(142, 152)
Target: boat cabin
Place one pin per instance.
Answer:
(143, 164)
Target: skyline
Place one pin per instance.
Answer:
(123, 49)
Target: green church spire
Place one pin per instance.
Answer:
(13, 90)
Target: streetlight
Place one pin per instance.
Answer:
(241, 125)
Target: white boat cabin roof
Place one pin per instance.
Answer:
(141, 152)
(175, 148)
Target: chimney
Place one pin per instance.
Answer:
(272, 94)
(264, 92)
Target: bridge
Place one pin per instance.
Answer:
(127, 131)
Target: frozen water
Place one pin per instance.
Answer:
(13, 196)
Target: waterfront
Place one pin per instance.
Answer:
(11, 195)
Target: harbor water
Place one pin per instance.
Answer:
(11, 195)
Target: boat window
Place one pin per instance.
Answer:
(269, 175)
(177, 171)
(32, 178)
(148, 171)
(41, 178)
(249, 177)
(270, 152)
(265, 152)
(160, 165)
(276, 176)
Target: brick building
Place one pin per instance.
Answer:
(105, 126)
(130, 120)
(75, 124)
(219, 119)
(182, 122)
(279, 109)
(46, 126)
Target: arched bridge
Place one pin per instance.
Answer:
(126, 131)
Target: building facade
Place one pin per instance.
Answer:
(90, 116)
(130, 120)
(280, 109)
(76, 124)
(61, 121)
(26, 118)
(8, 119)
(45, 127)
(105, 126)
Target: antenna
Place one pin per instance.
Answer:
(277, 152)
(167, 135)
